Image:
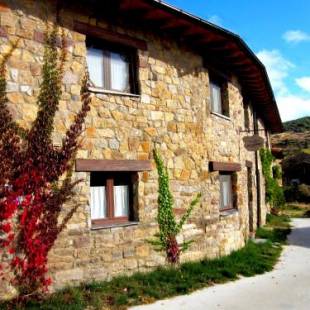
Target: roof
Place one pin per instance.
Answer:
(223, 48)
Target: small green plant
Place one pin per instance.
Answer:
(276, 172)
(168, 226)
(297, 193)
(274, 192)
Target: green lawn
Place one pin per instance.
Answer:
(162, 283)
(296, 210)
(276, 229)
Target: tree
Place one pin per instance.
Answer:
(35, 176)
(166, 239)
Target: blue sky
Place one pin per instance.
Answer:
(278, 31)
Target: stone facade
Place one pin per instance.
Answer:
(172, 111)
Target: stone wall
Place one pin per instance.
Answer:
(173, 110)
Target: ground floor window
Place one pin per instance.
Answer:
(111, 197)
(226, 191)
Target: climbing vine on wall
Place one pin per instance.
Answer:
(274, 192)
(35, 178)
(169, 228)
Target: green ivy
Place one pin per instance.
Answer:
(169, 228)
(277, 173)
(274, 192)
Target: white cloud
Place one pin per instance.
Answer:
(215, 19)
(296, 36)
(291, 106)
(278, 69)
(304, 83)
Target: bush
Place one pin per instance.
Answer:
(274, 192)
(300, 193)
(276, 172)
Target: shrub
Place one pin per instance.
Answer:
(276, 172)
(300, 193)
(274, 193)
(304, 192)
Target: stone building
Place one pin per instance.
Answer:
(159, 77)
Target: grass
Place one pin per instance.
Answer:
(276, 229)
(297, 210)
(162, 283)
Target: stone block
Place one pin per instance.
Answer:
(151, 131)
(11, 87)
(156, 115)
(66, 276)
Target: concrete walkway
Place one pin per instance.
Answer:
(286, 287)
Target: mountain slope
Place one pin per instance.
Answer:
(298, 125)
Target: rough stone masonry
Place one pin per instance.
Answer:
(172, 110)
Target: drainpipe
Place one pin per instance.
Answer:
(257, 174)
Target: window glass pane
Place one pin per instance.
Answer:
(98, 202)
(95, 66)
(121, 200)
(225, 183)
(226, 193)
(119, 73)
(216, 98)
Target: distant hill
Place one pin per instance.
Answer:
(292, 148)
(291, 142)
(298, 125)
(295, 138)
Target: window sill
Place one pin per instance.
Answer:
(116, 225)
(99, 90)
(227, 118)
(228, 212)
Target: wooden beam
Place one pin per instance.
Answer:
(114, 37)
(224, 166)
(155, 15)
(129, 5)
(88, 165)
(172, 24)
(221, 46)
(192, 31)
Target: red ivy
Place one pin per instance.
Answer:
(31, 195)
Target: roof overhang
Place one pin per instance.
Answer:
(220, 47)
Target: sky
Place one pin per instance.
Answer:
(278, 31)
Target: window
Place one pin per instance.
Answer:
(219, 97)
(226, 195)
(111, 197)
(112, 68)
(246, 116)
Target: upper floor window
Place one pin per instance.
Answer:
(246, 111)
(219, 96)
(112, 68)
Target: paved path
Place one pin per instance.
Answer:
(286, 287)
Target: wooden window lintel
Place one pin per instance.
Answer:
(110, 36)
(89, 165)
(224, 166)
